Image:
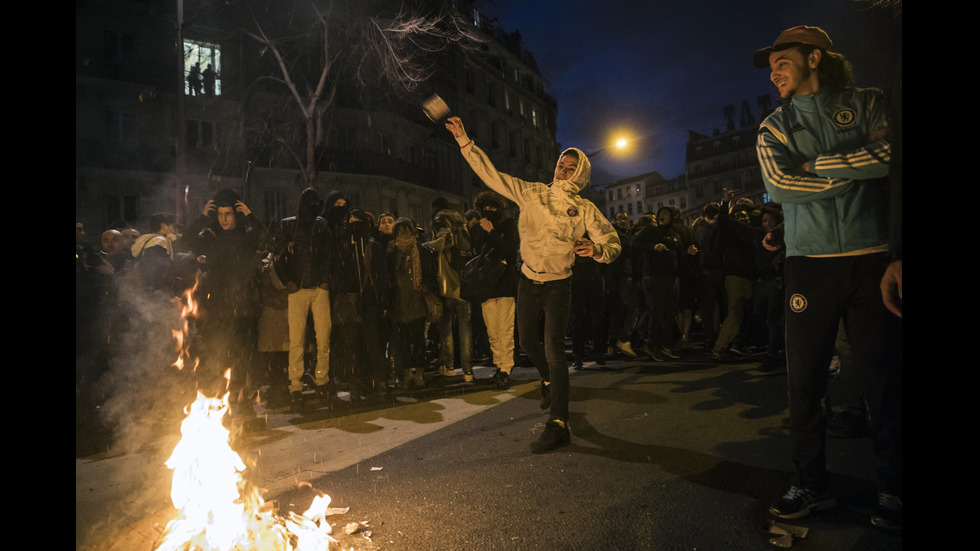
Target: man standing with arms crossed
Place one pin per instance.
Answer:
(825, 156)
(553, 224)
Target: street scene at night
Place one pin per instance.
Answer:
(488, 274)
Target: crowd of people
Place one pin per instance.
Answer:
(338, 299)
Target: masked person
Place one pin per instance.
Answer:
(496, 235)
(552, 224)
(359, 285)
(302, 252)
(413, 276)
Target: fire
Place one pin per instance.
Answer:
(188, 310)
(217, 508)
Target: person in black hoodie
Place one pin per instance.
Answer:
(660, 246)
(360, 288)
(738, 239)
(302, 255)
(496, 234)
(228, 241)
(621, 293)
(711, 278)
(413, 277)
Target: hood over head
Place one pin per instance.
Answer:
(583, 172)
(309, 205)
(336, 215)
(358, 223)
(227, 198)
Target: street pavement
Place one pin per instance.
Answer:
(685, 454)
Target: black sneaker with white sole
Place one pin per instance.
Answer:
(888, 512)
(799, 502)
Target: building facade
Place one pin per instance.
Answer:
(148, 140)
(723, 159)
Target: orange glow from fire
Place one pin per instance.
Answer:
(217, 508)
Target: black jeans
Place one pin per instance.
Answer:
(820, 293)
(661, 296)
(552, 300)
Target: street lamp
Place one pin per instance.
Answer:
(620, 144)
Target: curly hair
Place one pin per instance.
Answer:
(834, 70)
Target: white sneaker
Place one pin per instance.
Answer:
(625, 348)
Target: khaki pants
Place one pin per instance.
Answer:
(498, 315)
(301, 304)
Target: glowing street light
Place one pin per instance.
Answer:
(621, 144)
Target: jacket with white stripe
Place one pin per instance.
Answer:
(839, 206)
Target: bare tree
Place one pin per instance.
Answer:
(397, 53)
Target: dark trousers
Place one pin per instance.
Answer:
(821, 292)
(408, 344)
(661, 295)
(552, 300)
(588, 314)
(229, 343)
(712, 303)
(622, 310)
(768, 306)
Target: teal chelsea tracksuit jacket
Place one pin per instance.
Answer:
(840, 206)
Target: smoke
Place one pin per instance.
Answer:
(144, 395)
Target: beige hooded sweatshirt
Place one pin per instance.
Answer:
(552, 216)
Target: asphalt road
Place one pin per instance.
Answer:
(683, 455)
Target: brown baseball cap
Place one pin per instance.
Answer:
(802, 34)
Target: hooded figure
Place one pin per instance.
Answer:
(230, 250)
(553, 223)
(359, 288)
(301, 260)
(302, 246)
(335, 209)
(228, 242)
(553, 217)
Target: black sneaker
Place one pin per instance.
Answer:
(553, 437)
(297, 401)
(888, 512)
(502, 380)
(800, 502)
(772, 365)
(545, 396)
(326, 395)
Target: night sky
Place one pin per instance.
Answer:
(661, 68)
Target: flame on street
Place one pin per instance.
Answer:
(217, 508)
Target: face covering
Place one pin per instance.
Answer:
(403, 242)
(492, 215)
(336, 213)
(358, 228)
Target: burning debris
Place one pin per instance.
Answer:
(218, 509)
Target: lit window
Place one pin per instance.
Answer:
(202, 69)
